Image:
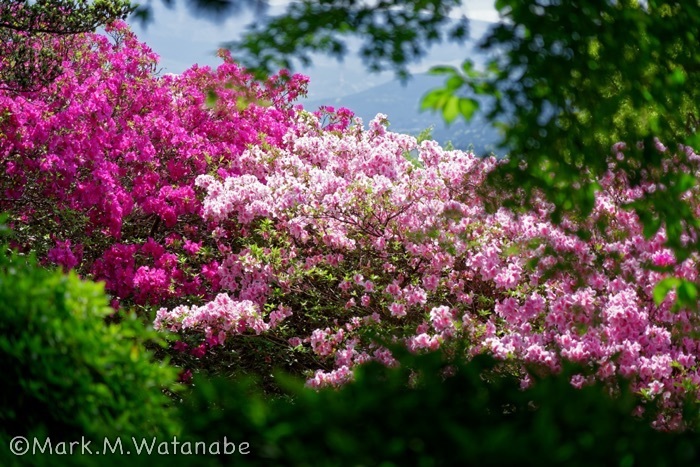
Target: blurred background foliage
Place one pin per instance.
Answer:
(36, 35)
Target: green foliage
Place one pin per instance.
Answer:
(66, 372)
(414, 415)
(573, 78)
(446, 99)
(426, 134)
(35, 36)
(393, 32)
(686, 292)
(61, 16)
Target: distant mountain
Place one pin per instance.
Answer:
(333, 79)
(350, 85)
(401, 103)
(347, 84)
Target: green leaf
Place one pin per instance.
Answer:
(650, 228)
(442, 70)
(211, 99)
(454, 82)
(468, 67)
(467, 107)
(684, 182)
(677, 77)
(664, 287)
(451, 109)
(688, 294)
(501, 4)
(431, 99)
(693, 140)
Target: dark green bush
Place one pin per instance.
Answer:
(476, 417)
(68, 374)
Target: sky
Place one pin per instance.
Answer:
(182, 39)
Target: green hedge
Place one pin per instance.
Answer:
(476, 417)
(68, 374)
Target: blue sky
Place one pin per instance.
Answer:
(182, 40)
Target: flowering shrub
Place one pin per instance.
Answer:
(100, 165)
(269, 236)
(337, 238)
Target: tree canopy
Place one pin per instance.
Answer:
(35, 35)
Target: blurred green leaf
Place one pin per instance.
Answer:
(664, 286)
(688, 294)
(442, 70)
(467, 107)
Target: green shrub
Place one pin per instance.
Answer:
(478, 416)
(66, 372)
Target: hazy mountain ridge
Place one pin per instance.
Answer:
(369, 94)
(346, 83)
(331, 78)
(401, 103)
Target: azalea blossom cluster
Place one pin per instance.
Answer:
(99, 166)
(370, 230)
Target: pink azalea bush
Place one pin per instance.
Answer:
(100, 165)
(334, 234)
(263, 233)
